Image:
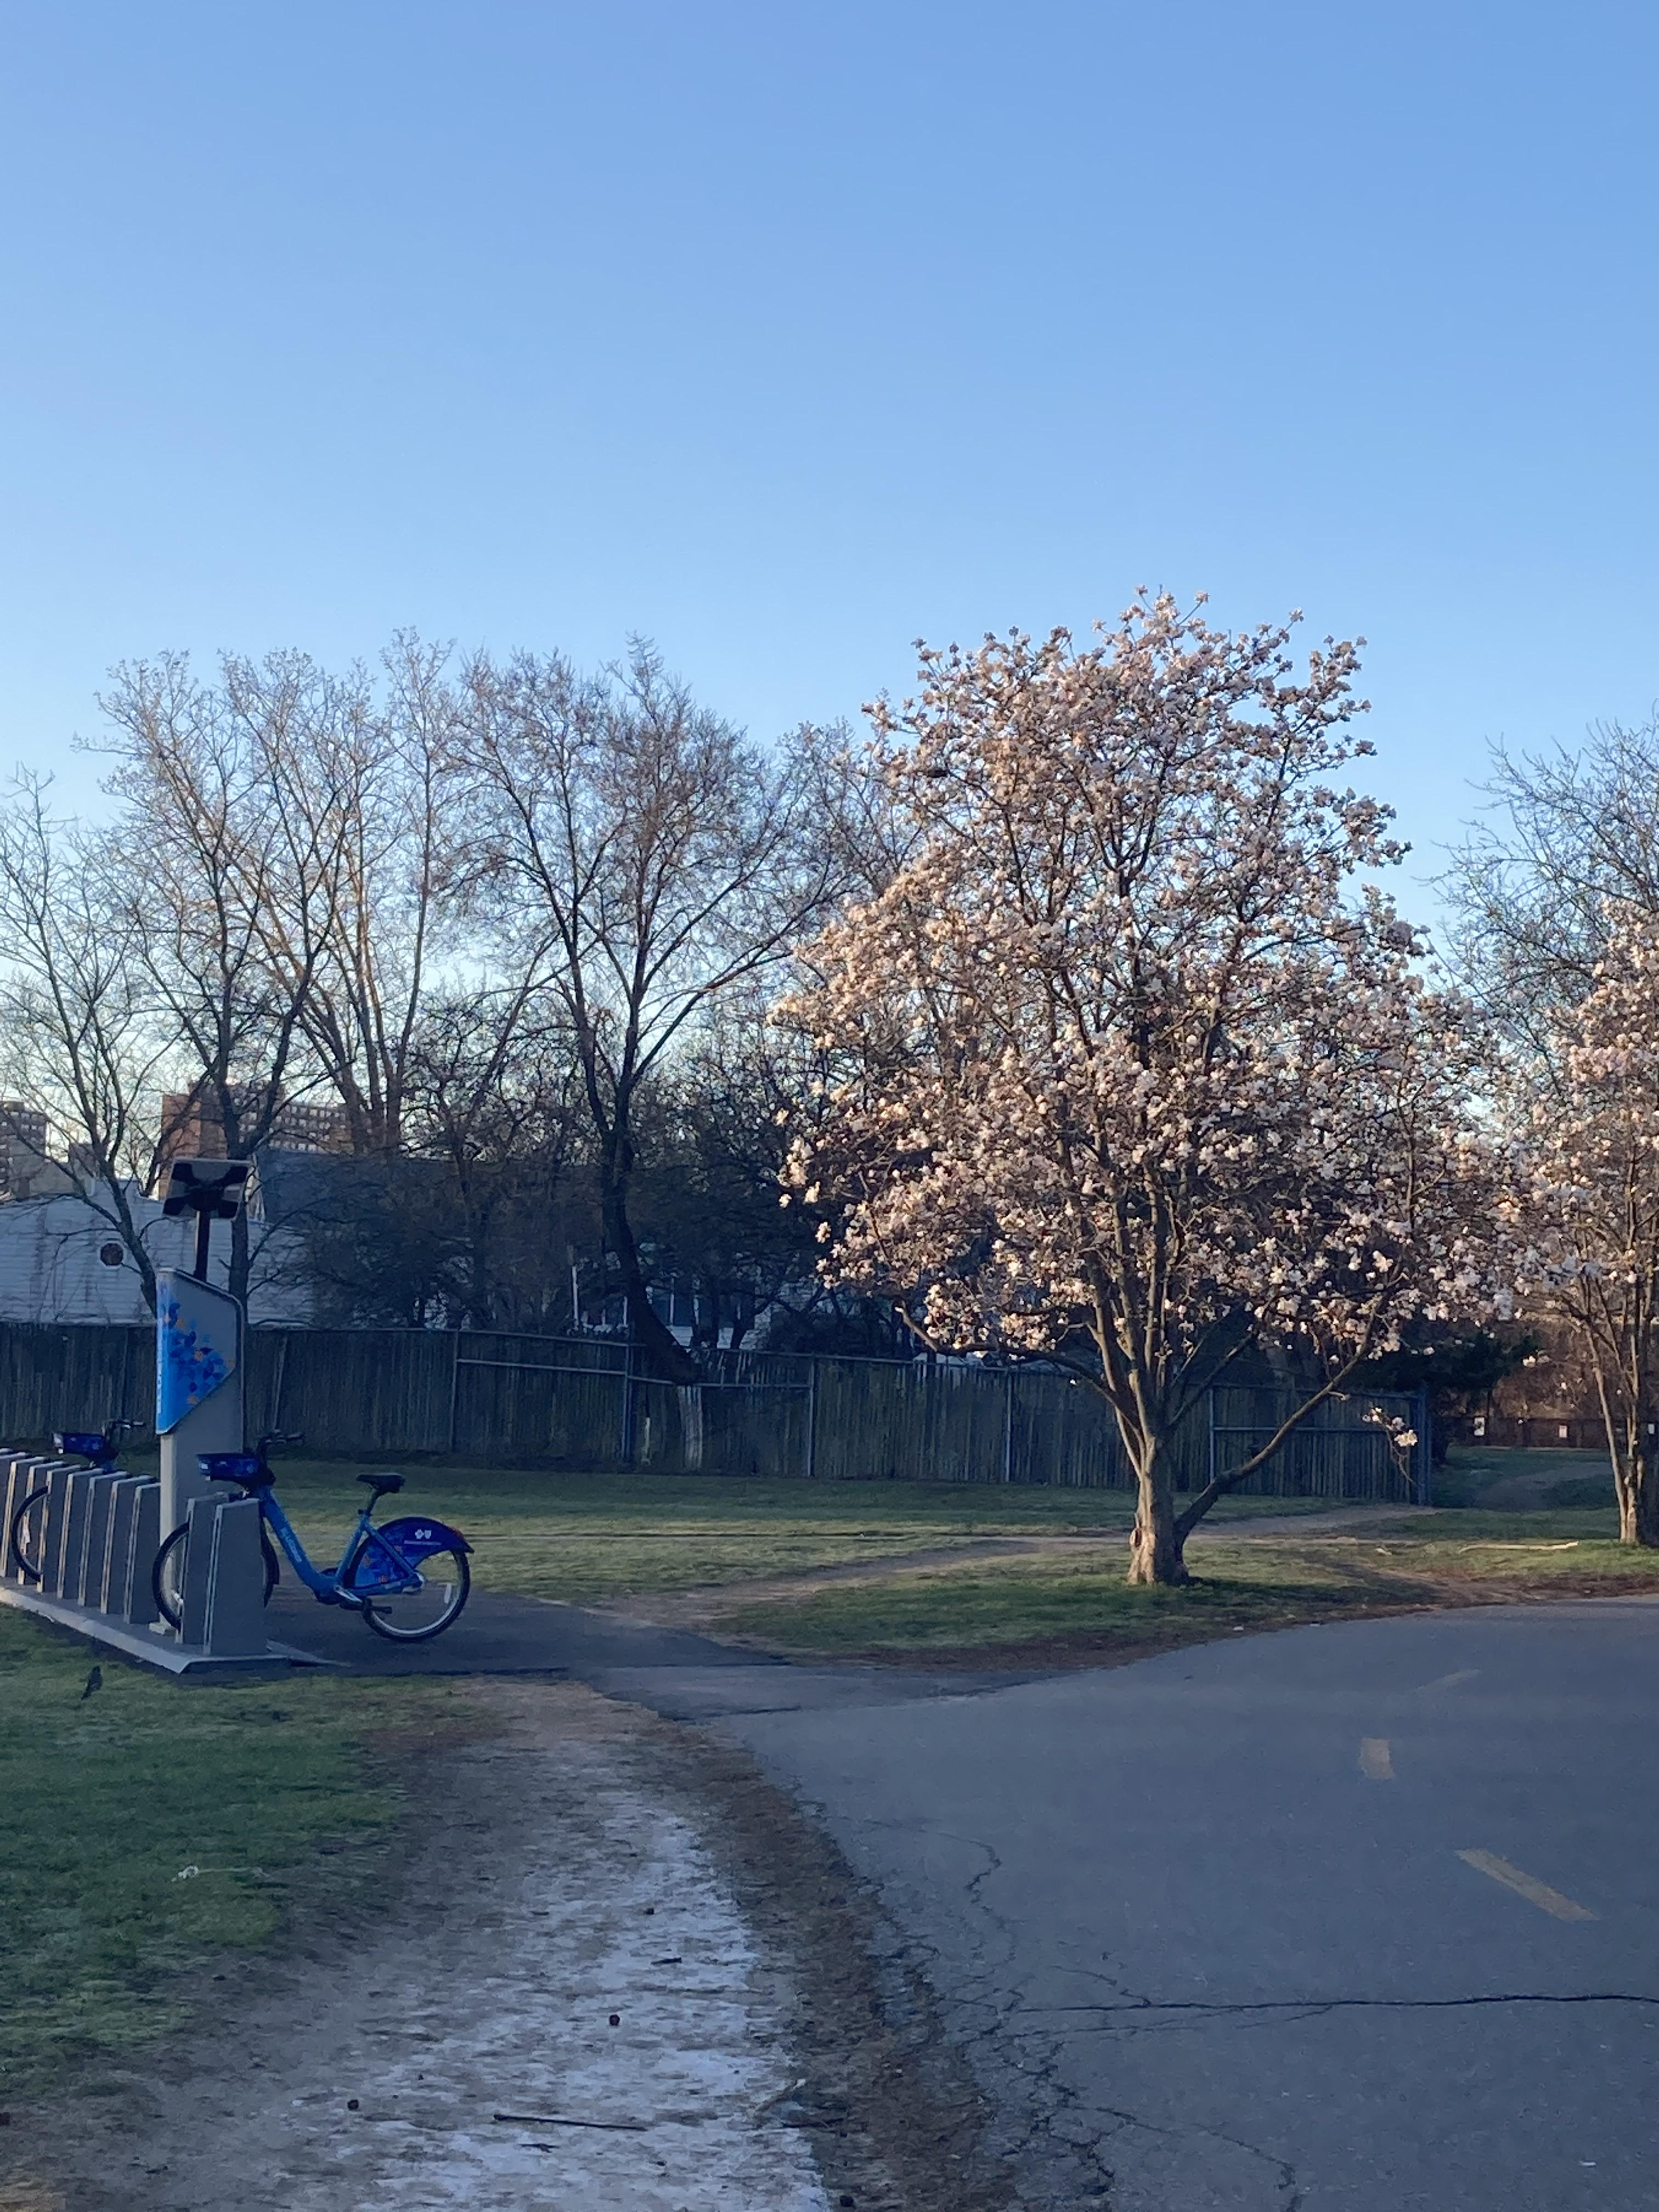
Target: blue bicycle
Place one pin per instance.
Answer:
(408, 1579)
(101, 1448)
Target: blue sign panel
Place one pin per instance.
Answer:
(197, 1344)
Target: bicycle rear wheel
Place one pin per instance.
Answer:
(166, 1578)
(27, 1536)
(416, 1616)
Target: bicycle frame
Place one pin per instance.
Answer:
(323, 1583)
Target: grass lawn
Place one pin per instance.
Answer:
(1060, 1604)
(587, 1538)
(1045, 1606)
(1547, 1476)
(581, 1537)
(150, 1827)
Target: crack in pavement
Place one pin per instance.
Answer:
(1288, 2186)
(1048, 2127)
(1312, 2008)
(985, 2019)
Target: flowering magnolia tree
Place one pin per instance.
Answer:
(1121, 1078)
(1591, 1199)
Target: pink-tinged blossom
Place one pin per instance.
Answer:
(1126, 1075)
(1587, 1199)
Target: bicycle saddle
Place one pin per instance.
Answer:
(381, 1483)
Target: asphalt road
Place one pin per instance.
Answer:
(1206, 1920)
(1363, 1916)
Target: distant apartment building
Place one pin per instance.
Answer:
(192, 1130)
(310, 1125)
(23, 1161)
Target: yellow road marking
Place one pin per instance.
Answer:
(1526, 1884)
(1374, 1760)
(1451, 1681)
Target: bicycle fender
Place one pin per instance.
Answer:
(416, 1538)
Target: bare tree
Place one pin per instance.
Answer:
(472, 1225)
(342, 895)
(1562, 835)
(495, 1102)
(669, 861)
(200, 833)
(714, 1140)
(81, 1037)
(489, 914)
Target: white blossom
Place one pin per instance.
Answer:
(1587, 1197)
(1119, 1057)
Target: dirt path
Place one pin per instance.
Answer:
(617, 1972)
(705, 1602)
(1342, 1521)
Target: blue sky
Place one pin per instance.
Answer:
(784, 334)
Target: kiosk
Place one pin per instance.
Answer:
(199, 1332)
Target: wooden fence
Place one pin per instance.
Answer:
(577, 1402)
(1575, 1432)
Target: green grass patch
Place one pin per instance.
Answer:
(1580, 1490)
(152, 1827)
(1459, 1484)
(1045, 1602)
(1567, 1547)
(1049, 1605)
(1522, 1525)
(1540, 1475)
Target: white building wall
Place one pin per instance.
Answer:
(50, 1270)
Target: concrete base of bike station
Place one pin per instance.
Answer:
(98, 1536)
(158, 1647)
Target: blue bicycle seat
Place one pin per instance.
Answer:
(233, 1466)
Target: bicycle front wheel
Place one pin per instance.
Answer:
(416, 1616)
(167, 1579)
(27, 1536)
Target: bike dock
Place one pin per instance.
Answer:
(99, 1541)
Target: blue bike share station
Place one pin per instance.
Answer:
(177, 1570)
(95, 1531)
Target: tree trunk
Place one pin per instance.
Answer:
(1154, 1546)
(660, 1351)
(705, 1319)
(1636, 1479)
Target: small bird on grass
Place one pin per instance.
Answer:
(95, 1682)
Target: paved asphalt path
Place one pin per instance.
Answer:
(1204, 1922)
